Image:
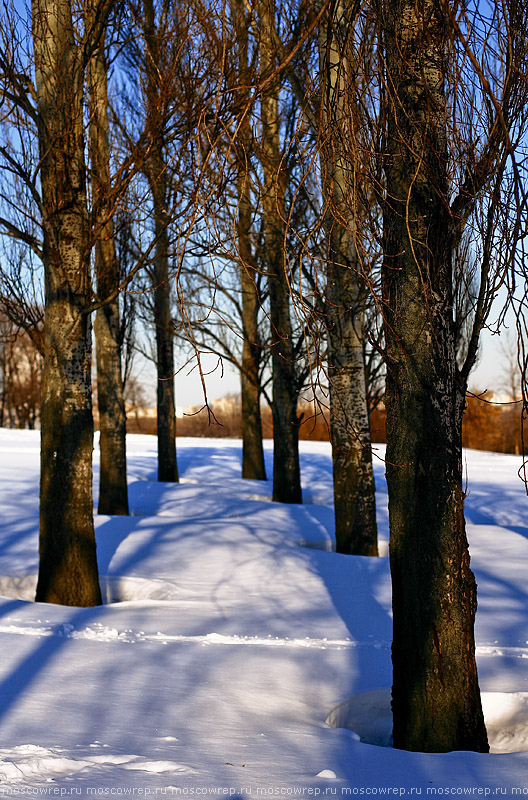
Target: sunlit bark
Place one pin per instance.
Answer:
(354, 490)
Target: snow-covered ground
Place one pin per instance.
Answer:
(233, 639)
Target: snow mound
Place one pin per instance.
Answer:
(383, 548)
(32, 762)
(28, 762)
(506, 717)
(369, 716)
(113, 589)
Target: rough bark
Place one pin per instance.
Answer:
(353, 475)
(156, 169)
(286, 470)
(435, 695)
(354, 489)
(68, 566)
(253, 466)
(113, 491)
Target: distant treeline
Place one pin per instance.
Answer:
(488, 424)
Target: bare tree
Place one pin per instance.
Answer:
(156, 173)
(449, 165)
(167, 56)
(113, 491)
(286, 471)
(68, 571)
(337, 293)
(253, 466)
(354, 490)
(248, 227)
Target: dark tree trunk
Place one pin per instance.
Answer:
(435, 696)
(68, 565)
(166, 405)
(286, 470)
(253, 466)
(157, 175)
(113, 491)
(354, 488)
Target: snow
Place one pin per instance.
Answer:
(234, 647)
(369, 716)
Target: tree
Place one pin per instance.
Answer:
(253, 466)
(221, 273)
(250, 135)
(113, 490)
(68, 572)
(167, 61)
(20, 278)
(286, 471)
(433, 651)
(337, 295)
(157, 109)
(354, 489)
(449, 163)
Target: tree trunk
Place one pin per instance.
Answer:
(68, 566)
(286, 470)
(354, 488)
(166, 406)
(113, 491)
(435, 695)
(157, 176)
(253, 466)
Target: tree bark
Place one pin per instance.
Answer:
(286, 469)
(68, 571)
(157, 176)
(113, 491)
(253, 466)
(435, 695)
(354, 488)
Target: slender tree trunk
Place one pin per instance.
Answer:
(354, 488)
(68, 566)
(157, 176)
(113, 491)
(166, 405)
(435, 695)
(286, 470)
(253, 466)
